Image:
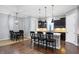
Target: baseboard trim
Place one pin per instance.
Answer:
(4, 39)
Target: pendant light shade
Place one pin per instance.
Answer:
(52, 20)
(45, 11)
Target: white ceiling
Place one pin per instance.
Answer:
(32, 10)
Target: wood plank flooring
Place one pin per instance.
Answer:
(24, 47)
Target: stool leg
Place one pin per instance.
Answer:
(43, 42)
(34, 41)
(38, 42)
(55, 44)
(31, 42)
(52, 45)
(46, 44)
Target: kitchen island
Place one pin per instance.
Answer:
(57, 36)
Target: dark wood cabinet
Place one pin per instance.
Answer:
(63, 35)
(60, 23)
(42, 24)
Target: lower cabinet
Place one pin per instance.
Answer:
(63, 35)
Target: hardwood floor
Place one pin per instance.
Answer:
(24, 47)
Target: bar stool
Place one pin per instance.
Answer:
(33, 37)
(50, 39)
(39, 35)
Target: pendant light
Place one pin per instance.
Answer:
(45, 13)
(52, 14)
(39, 13)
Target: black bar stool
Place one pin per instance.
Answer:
(33, 37)
(40, 37)
(50, 39)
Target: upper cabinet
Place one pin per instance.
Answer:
(60, 23)
(42, 24)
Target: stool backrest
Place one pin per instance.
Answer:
(32, 34)
(40, 35)
(49, 35)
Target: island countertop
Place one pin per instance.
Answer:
(56, 30)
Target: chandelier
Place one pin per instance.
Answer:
(16, 19)
(39, 13)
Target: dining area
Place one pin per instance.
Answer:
(16, 35)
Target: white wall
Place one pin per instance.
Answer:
(21, 23)
(27, 26)
(4, 28)
(30, 24)
(77, 31)
(11, 22)
(71, 23)
(33, 24)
